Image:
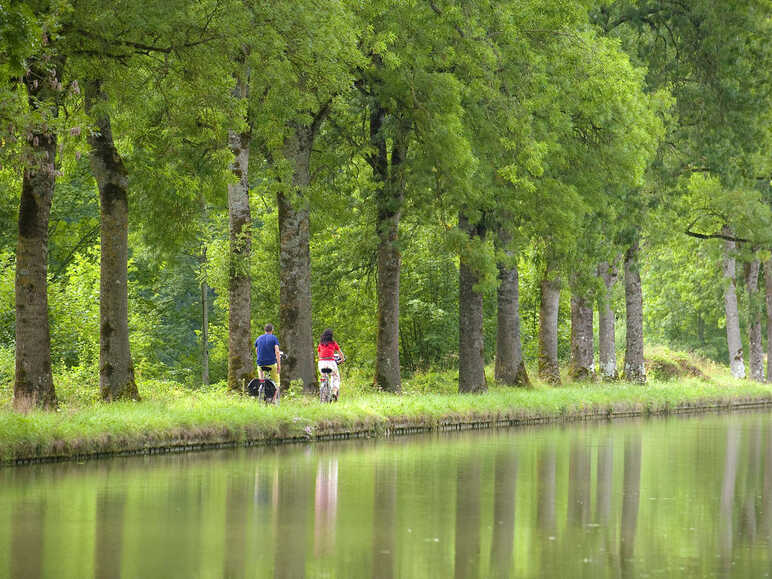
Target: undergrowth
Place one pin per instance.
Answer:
(170, 412)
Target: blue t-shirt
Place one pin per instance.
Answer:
(266, 355)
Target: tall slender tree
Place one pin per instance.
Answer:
(471, 358)
(510, 366)
(607, 355)
(116, 370)
(240, 359)
(635, 368)
(34, 384)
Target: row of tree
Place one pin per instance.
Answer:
(564, 133)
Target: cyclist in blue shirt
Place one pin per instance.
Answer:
(267, 349)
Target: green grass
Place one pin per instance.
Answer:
(171, 415)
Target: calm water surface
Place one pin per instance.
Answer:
(671, 497)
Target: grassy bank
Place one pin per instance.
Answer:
(171, 417)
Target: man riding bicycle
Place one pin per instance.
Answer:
(268, 355)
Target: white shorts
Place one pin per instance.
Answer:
(335, 375)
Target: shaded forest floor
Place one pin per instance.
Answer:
(174, 418)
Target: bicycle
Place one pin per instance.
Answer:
(266, 388)
(325, 384)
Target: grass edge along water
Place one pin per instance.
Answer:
(174, 417)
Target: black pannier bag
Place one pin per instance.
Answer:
(262, 389)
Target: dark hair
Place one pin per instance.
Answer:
(326, 336)
(268, 328)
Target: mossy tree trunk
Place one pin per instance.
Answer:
(240, 363)
(756, 349)
(733, 338)
(549, 369)
(389, 175)
(204, 321)
(510, 368)
(471, 353)
(34, 383)
(295, 311)
(581, 366)
(116, 370)
(607, 356)
(768, 288)
(635, 369)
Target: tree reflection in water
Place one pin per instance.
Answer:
(675, 497)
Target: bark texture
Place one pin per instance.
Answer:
(756, 354)
(510, 368)
(549, 370)
(607, 355)
(240, 364)
(471, 353)
(733, 338)
(581, 366)
(389, 200)
(635, 369)
(204, 323)
(768, 292)
(295, 264)
(34, 383)
(116, 370)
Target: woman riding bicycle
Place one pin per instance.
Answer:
(329, 355)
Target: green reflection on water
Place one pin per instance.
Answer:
(668, 497)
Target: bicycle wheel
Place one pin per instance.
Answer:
(324, 391)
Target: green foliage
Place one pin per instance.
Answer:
(570, 126)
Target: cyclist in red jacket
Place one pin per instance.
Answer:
(329, 355)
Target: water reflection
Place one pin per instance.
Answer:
(325, 505)
(504, 491)
(631, 493)
(384, 519)
(687, 498)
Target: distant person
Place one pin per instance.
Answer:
(329, 355)
(268, 356)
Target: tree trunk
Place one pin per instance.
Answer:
(116, 370)
(606, 325)
(635, 370)
(768, 288)
(295, 264)
(240, 365)
(34, 383)
(389, 209)
(754, 321)
(510, 368)
(733, 339)
(471, 354)
(582, 337)
(204, 323)
(549, 370)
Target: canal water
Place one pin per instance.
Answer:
(674, 497)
